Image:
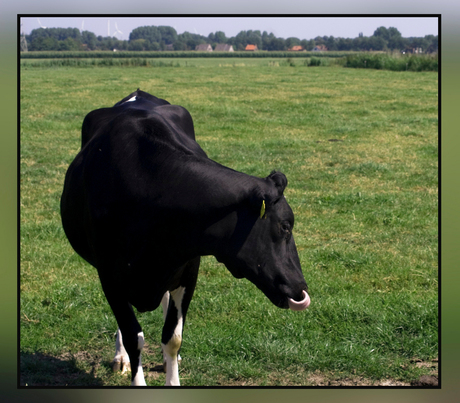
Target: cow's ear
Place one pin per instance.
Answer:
(279, 180)
(263, 197)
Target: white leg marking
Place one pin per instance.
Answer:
(121, 359)
(171, 349)
(164, 306)
(139, 378)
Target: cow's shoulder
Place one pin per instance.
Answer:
(143, 115)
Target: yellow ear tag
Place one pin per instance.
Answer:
(262, 210)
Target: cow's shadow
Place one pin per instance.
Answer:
(41, 370)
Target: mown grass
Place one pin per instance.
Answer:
(359, 148)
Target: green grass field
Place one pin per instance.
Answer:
(360, 150)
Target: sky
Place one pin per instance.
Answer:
(281, 27)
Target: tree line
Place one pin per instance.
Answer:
(160, 38)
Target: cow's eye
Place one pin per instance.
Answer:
(286, 230)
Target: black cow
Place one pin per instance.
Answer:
(142, 202)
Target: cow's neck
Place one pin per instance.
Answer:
(221, 201)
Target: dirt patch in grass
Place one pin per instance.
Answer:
(86, 369)
(321, 379)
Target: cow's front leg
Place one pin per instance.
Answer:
(178, 303)
(171, 339)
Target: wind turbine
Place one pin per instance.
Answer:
(40, 23)
(82, 25)
(23, 41)
(118, 31)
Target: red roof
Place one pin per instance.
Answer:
(251, 47)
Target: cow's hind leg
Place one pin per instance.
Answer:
(179, 302)
(132, 337)
(121, 359)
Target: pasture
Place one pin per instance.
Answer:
(360, 150)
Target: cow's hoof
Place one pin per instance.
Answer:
(116, 366)
(120, 365)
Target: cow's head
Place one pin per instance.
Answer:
(261, 247)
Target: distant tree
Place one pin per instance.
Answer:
(179, 45)
(393, 32)
(397, 43)
(69, 44)
(382, 32)
(220, 37)
(432, 42)
(217, 37)
(418, 43)
(54, 39)
(43, 43)
(361, 43)
(266, 39)
(307, 45)
(319, 40)
(311, 44)
(331, 43)
(192, 40)
(137, 44)
(89, 39)
(149, 34)
(120, 44)
(244, 38)
(377, 43)
(154, 46)
(254, 38)
(168, 34)
(392, 37)
(292, 41)
(277, 44)
(344, 44)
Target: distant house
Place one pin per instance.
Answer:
(319, 48)
(251, 48)
(223, 47)
(204, 47)
(296, 48)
